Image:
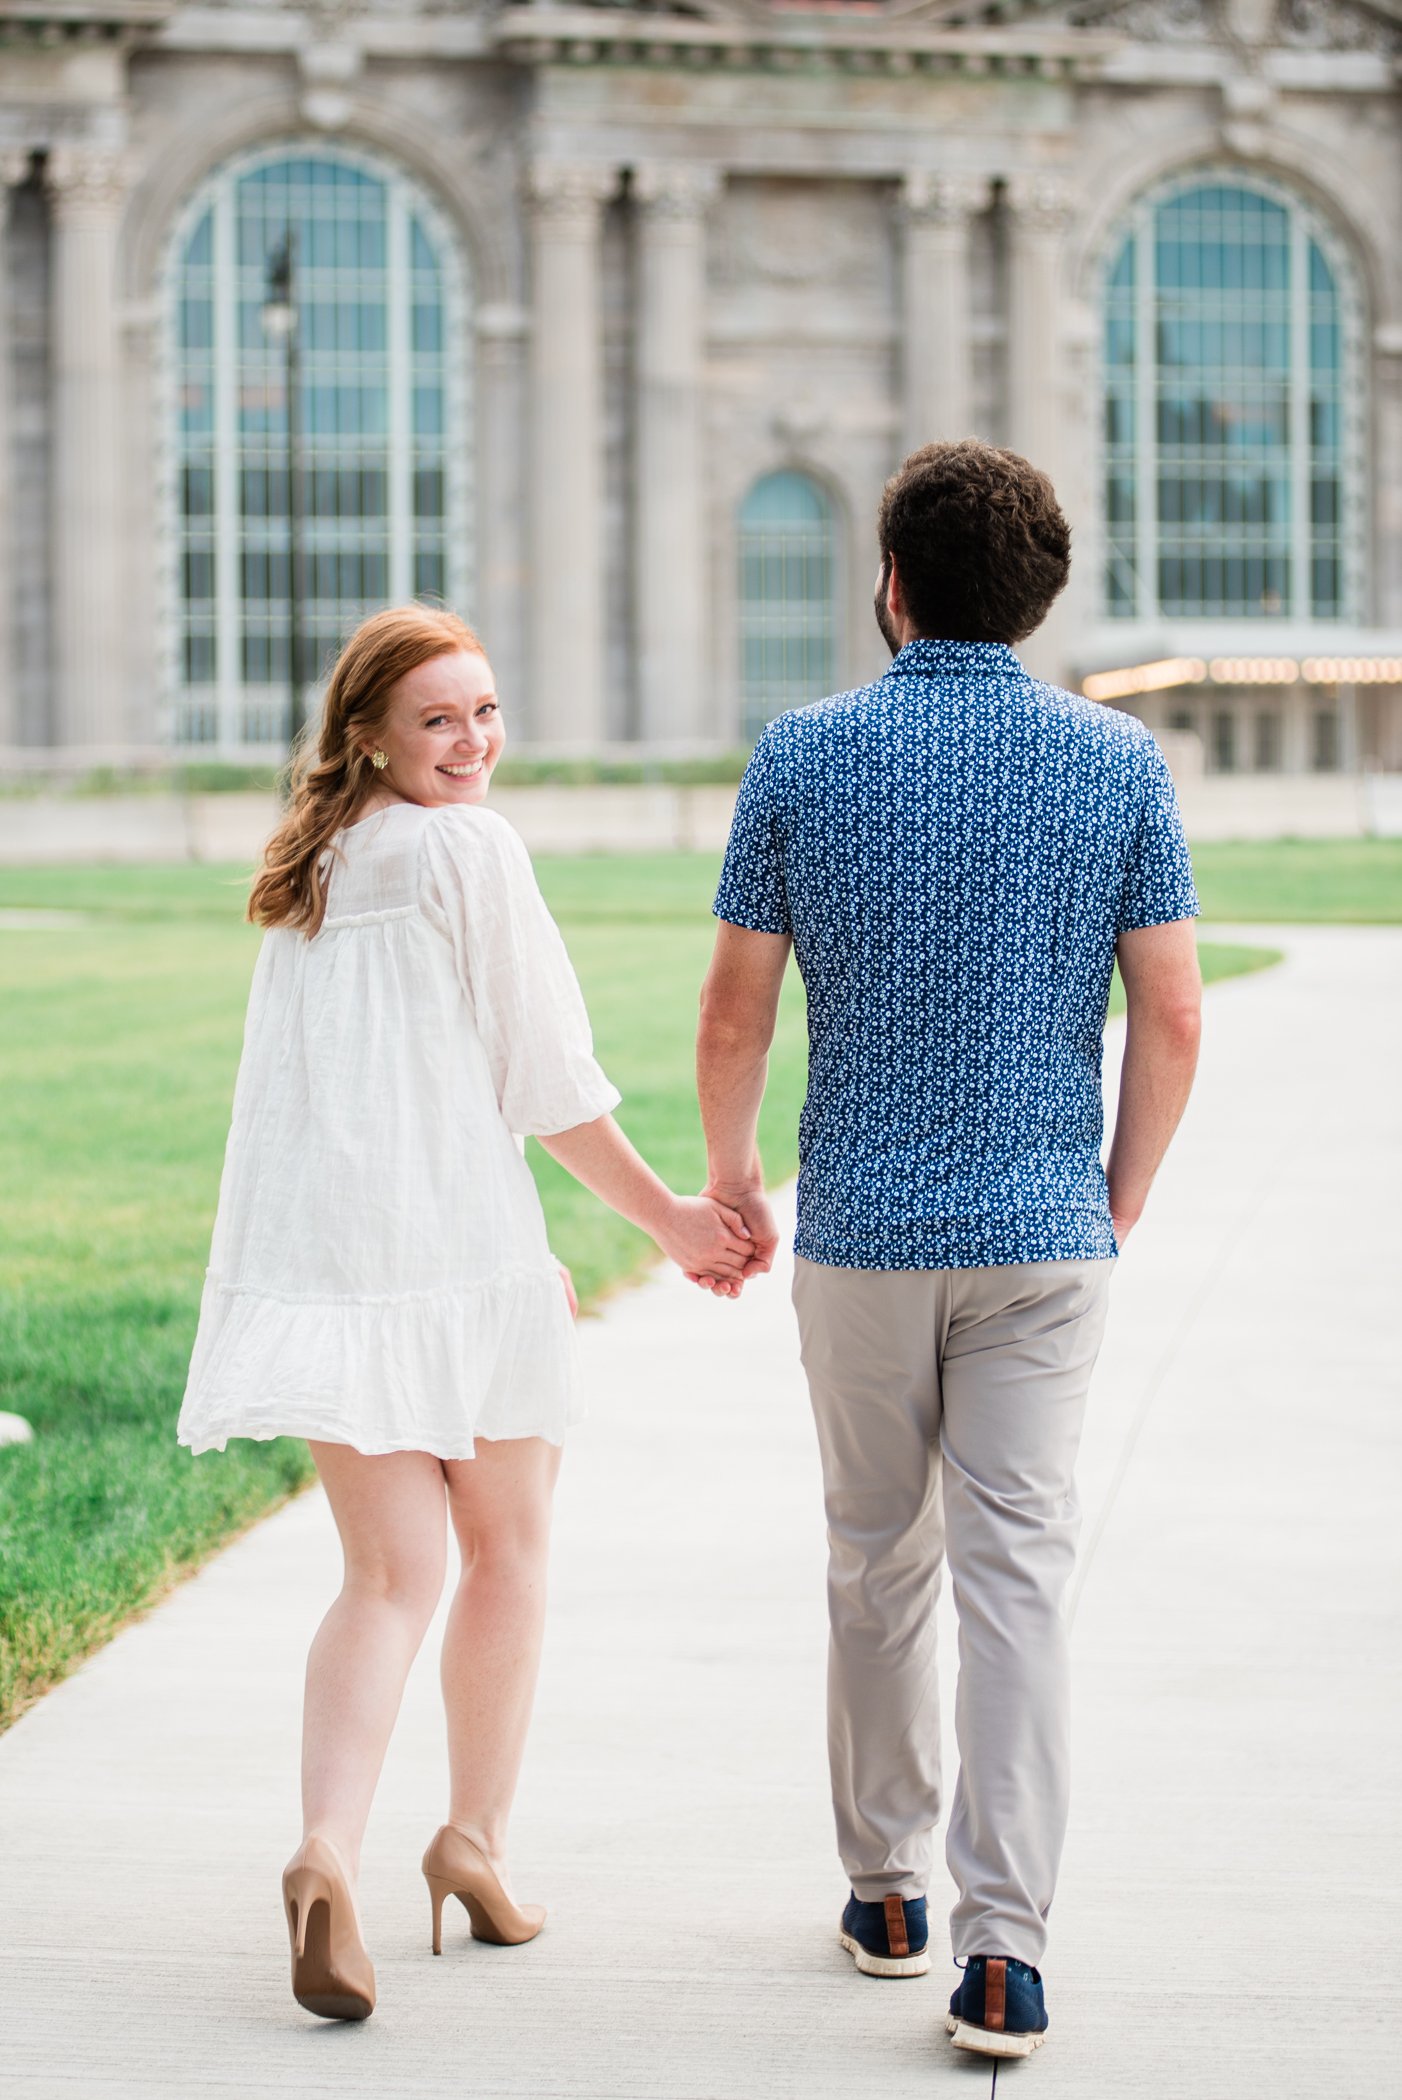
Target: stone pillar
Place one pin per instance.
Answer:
(499, 610)
(14, 167)
(1297, 703)
(86, 190)
(565, 598)
(670, 506)
(146, 704)
(1039, 211)
(937, 307)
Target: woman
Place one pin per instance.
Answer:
(380, 1281)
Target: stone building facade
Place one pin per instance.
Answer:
(611, 319)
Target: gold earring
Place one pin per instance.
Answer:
(379, 761)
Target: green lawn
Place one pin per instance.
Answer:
(119, 1040)
(1301, 881)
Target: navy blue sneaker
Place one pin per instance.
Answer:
(998, 2008)
(888, 1938)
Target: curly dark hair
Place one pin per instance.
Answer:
(978, 539)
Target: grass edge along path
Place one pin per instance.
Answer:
(135, 1023)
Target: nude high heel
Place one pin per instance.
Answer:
(331, 1972)
(454, 1866)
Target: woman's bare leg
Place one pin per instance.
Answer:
(500, 1507)
(389, 1512)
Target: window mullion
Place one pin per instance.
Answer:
(1146, 478)
(400, 460)
(1300, 599)
(228, 670)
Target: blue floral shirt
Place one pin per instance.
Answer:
(954, 850)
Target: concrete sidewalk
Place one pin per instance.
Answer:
(1227, 1923)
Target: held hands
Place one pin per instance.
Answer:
(750, 1206)
(709, 1242)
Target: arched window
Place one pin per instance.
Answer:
(380, 427)
(788, 624)
(1232, 411)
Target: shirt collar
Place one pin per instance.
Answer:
(939, 659)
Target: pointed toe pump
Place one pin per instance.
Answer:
(454, 1866)
(332, 1974)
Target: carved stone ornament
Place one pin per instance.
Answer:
(1245, 139)
(929, 199)
(794, 236)
(1153, 21)
(677, 191)
(15, 164)
(81, 178)
(328, 20)
(1336, 25)
(1250, 22)
(569, 195)
(329, 70)
(798, 423)
(1312, 25)
(1041, 203)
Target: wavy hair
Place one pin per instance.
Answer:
(978, 539)
(328, 782)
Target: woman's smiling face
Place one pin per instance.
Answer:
(444, 733)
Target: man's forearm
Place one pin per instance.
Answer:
(730, 1080)
(739, 1008)
(1155, 1082)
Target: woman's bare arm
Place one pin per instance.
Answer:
(705, 1238)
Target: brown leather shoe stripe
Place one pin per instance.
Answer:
(895, 1927)
(995, 1994)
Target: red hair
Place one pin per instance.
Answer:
(330, 782)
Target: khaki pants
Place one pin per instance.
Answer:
(949, 1406)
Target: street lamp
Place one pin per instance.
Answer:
(280, 325)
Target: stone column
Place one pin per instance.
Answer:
(565, 599)
(1297, 704)
(14, 167)
(936, 212)
(500, 609)
(1039, 210)
(670, 506)
(86, 190)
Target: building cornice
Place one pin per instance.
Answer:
(210, 25)
(1117, 42)
(61, 22)
(549, 34)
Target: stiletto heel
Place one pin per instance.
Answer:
(439, 1892)
(454, 1866)
(332, 1975)
(301, 1888)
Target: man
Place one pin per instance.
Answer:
(957, 854)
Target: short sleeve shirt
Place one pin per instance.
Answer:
(955, 850)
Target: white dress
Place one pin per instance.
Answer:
(380, 1274)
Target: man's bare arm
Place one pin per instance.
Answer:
(739, 1006)
(1163, 995)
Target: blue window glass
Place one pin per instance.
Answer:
(787, 595)
(379, 423)
(1224, 362)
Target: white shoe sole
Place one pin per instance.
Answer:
(989, 2043)
(884, 1964)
